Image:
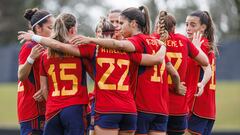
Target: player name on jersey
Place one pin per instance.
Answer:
(106, 50)
(173, 43)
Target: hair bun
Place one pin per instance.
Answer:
(29, 13)
(141, 8)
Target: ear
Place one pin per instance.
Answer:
(133, 23)
(72, 31)
(203, 28)
(38, 29)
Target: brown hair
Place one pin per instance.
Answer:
(141, 15)
(104, 28)
(166, 23)
(62, 25)
(34, 15)
(114, 11)
(206, 19)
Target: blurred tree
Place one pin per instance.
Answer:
(11, 14)
(226, 17)
(225, 14)
(86, 11)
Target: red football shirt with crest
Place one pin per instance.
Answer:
(27, 107)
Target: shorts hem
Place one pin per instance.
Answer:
(191, 131)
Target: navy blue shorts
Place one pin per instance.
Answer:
(200, 125)
(177, 125)
(122, 122)
(68, 121)
(147, 122)
(34, 126)
(91, 126)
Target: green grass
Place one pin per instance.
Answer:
(8, 107)
(228, 106)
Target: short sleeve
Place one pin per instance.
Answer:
(192, 50)
(25, 52)
(137, 43)
(205, 46)
(87, 50)
(41, 65)
(89, 67)
(136, 57)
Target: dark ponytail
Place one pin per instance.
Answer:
(209, 32)
(146, 28)
(140, 15)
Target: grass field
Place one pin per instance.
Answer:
(228, 106)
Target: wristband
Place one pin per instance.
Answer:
(36, 38)
(30, 60)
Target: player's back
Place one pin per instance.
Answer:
(150, 95)
(113, 94)
(179, 50)
(66, 82)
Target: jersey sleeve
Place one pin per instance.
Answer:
(24, 52)
(205, 46)
(192, 50)
(136, 57)
(41, 66)
(88, 66)
(137, 43)
(87, 50)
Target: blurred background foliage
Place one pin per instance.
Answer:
(225, 14)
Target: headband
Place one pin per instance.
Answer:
(41, 20)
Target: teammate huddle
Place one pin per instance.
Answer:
(139, 78)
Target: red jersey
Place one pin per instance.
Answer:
(151, 95)
(27, 107)
(193, 73)
(66, 82)
(205, 105)
(111, 69)
(179, 49)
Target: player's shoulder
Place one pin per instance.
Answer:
(181, 36)
(29, 44)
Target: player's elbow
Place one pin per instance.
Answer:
(202, 60)
(159, 60)
(205, 62)
(21, 76)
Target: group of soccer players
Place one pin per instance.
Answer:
(145, 83)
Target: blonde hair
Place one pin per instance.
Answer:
(62, 25)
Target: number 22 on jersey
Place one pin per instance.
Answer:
(111, 62)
